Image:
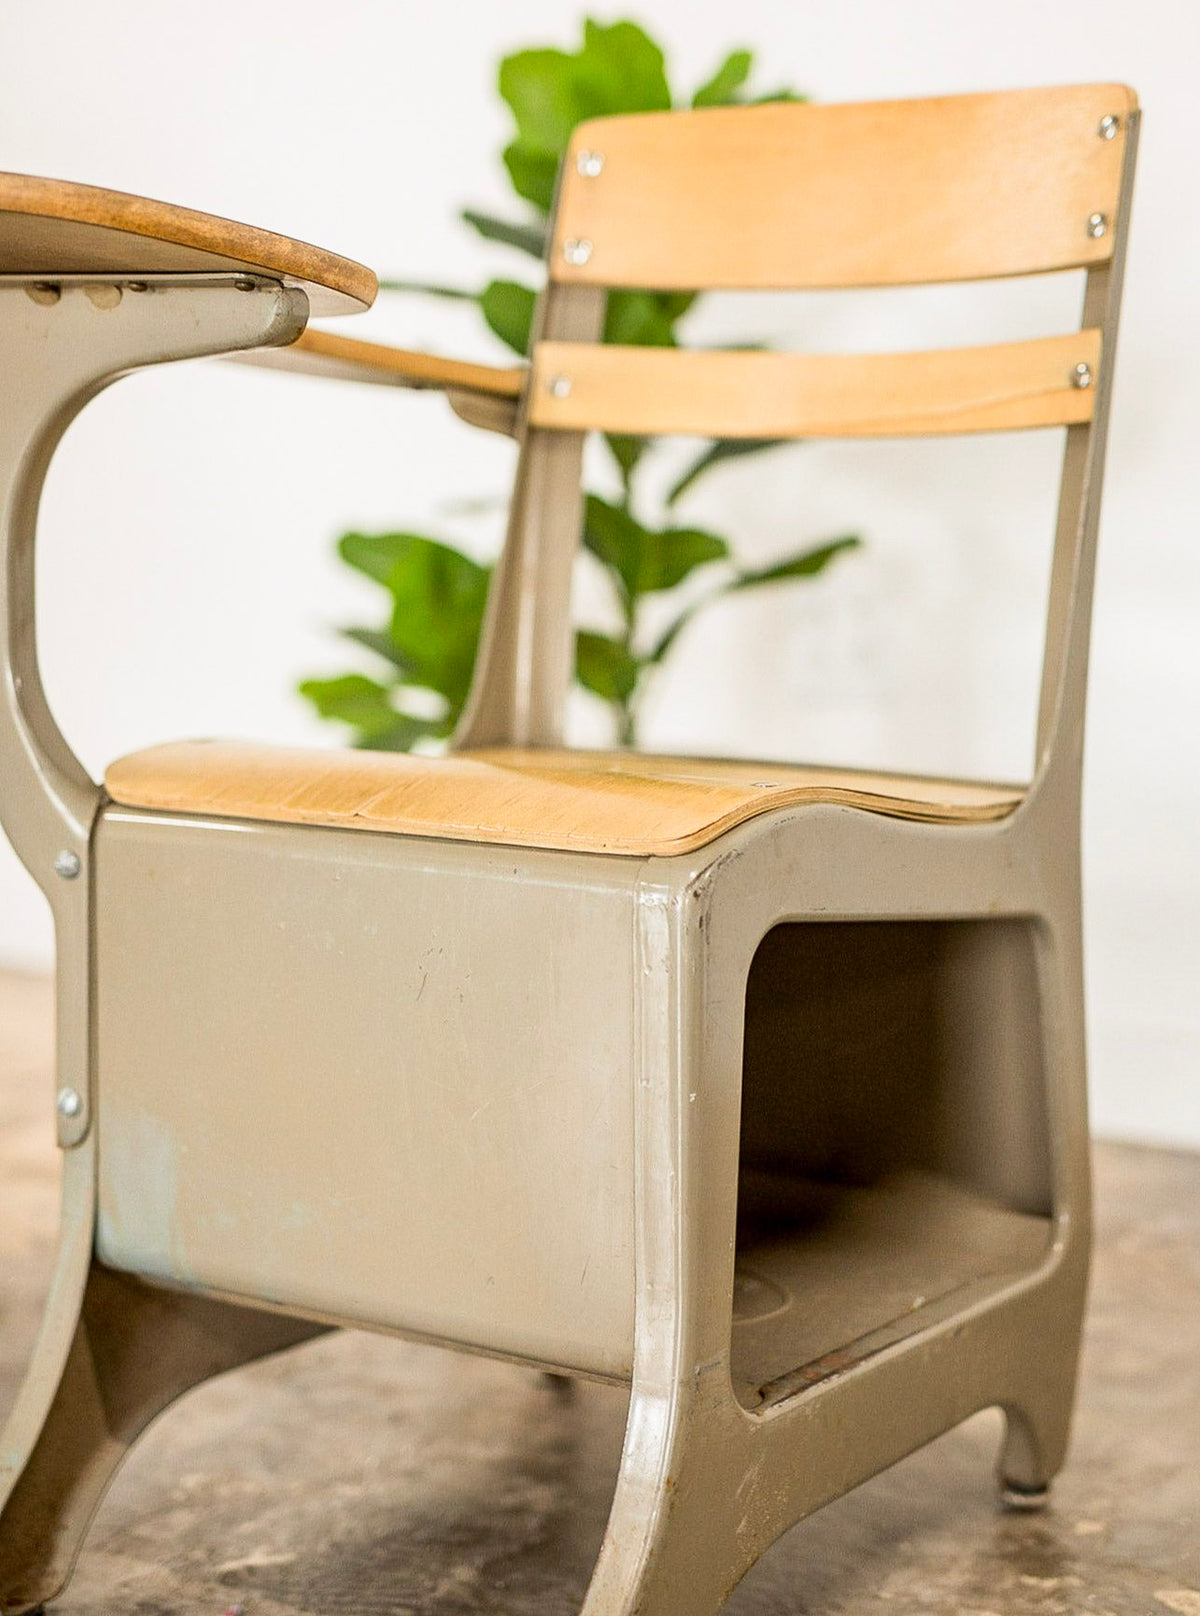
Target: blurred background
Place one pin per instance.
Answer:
(187, 573)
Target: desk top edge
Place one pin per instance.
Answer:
(336, 284)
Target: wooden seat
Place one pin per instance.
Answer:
(594, 802)
(51, 228)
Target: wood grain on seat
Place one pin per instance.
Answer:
(55, 228)
(595, 802)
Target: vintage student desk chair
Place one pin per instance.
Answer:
(525, 1049)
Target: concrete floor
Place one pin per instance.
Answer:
(371, 1476)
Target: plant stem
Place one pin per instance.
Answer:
(457, 294)
(626, 716)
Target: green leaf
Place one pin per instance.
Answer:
(778, 95)
(677, 551)
(375, 554)
(366, 706)
(508, 309)
(805, 564)
(605, 666)
(615, 539)
(527, 238)
(403, 734)
(645, 319)
(620, 69)
(721, 90)
(438, 596)
(718, 450)
(645, 560)
(353, 698)
(533, 173)
(381, 642)
(659, 650)
(626, 451)
(540, 87)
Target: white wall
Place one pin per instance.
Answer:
(185, 570)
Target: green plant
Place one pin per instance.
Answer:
(436, 593)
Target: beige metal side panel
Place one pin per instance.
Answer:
(380, 1080)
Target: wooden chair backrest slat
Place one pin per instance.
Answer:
(652, 391)
(867, 194)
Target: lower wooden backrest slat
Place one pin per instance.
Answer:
(586, 386)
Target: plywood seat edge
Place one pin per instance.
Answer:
(617, 803)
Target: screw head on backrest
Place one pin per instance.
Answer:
(1081, 376)
(576, 250)
(590, 164)
(1097, 225)
(1109, 125)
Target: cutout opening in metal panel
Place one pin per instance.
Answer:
(894, 1154)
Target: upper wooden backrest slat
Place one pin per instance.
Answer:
(870, 194)
(51, 228)
(579, 386)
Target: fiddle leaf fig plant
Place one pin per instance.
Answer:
(424, 647)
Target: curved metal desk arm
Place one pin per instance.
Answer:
(60, 345)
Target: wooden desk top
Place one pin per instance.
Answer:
(54, 227)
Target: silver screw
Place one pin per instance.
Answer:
(1097, 225)
(66, 864)
(1081, 376)
(68, 1103)
(560, 387)
(577, 252)
(1109, 125)
(244, 285)
(590, 164)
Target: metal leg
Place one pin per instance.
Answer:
(672, 1548)
(111, 1352)
(134, 1351)
(1034, 1448)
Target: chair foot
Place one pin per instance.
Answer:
(135, 1349)
(1023, 1500)
(1034, 1448)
